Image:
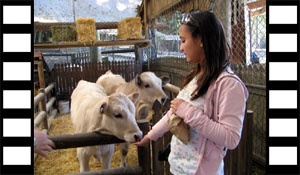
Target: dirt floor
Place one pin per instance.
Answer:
(63, 161)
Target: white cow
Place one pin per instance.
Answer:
(147, 84)
(92, 110)
(110, 82)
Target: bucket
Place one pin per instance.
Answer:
(63, 107)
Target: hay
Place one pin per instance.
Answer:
(130, 28)
(150, 114)
(63, 33)
(64, 161)
(86, 29)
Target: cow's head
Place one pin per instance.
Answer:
(118, 116)
(151, 88)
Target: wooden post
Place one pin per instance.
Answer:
(249, 151)
(41, 74)
(139, 59)
(43, 108)
(158, 166)
(94, 54)
(145, 20)
(35, 88)
(167, 137)
(239, 160)
(144, 152)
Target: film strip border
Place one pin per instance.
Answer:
(283, 87)
(16, 72)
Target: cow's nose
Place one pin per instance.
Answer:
(137, 137)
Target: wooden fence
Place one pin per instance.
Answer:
(67, 76)
(81, 58)
(237, 162)
(45, 107)
(90, 139)
(41, 99)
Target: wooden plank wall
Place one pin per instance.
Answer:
(68, 75)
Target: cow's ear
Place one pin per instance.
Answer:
(103, 107)
(165, 80)
(134, 96)
(142, 112)
(138, 80)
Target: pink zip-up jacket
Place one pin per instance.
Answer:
(219, 125)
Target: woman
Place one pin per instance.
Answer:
(212, 100)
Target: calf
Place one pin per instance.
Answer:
(147, 84)
(93, 111)
(110, 82)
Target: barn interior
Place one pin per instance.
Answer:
(81, 40)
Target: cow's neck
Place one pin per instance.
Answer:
(130, 87)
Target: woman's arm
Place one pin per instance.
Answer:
(231, 106)
(158, 130)
(42, 143)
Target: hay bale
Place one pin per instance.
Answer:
(130, 28)
(64, 161)
(63, 33)
(86, 29)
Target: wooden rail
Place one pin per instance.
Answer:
(172, 88)
(99, 25)
(117, 51)
(140, 43)
(38, 98)
(50, 103)
(95, 138)
(49, 88)
(44, 107)
(84, 139)
(41, 116)
(137, 170)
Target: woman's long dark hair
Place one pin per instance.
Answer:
(216, 49)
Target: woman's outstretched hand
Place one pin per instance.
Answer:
(43, 143)
(144, 142)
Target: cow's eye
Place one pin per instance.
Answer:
(118, 116)
(147, 86)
